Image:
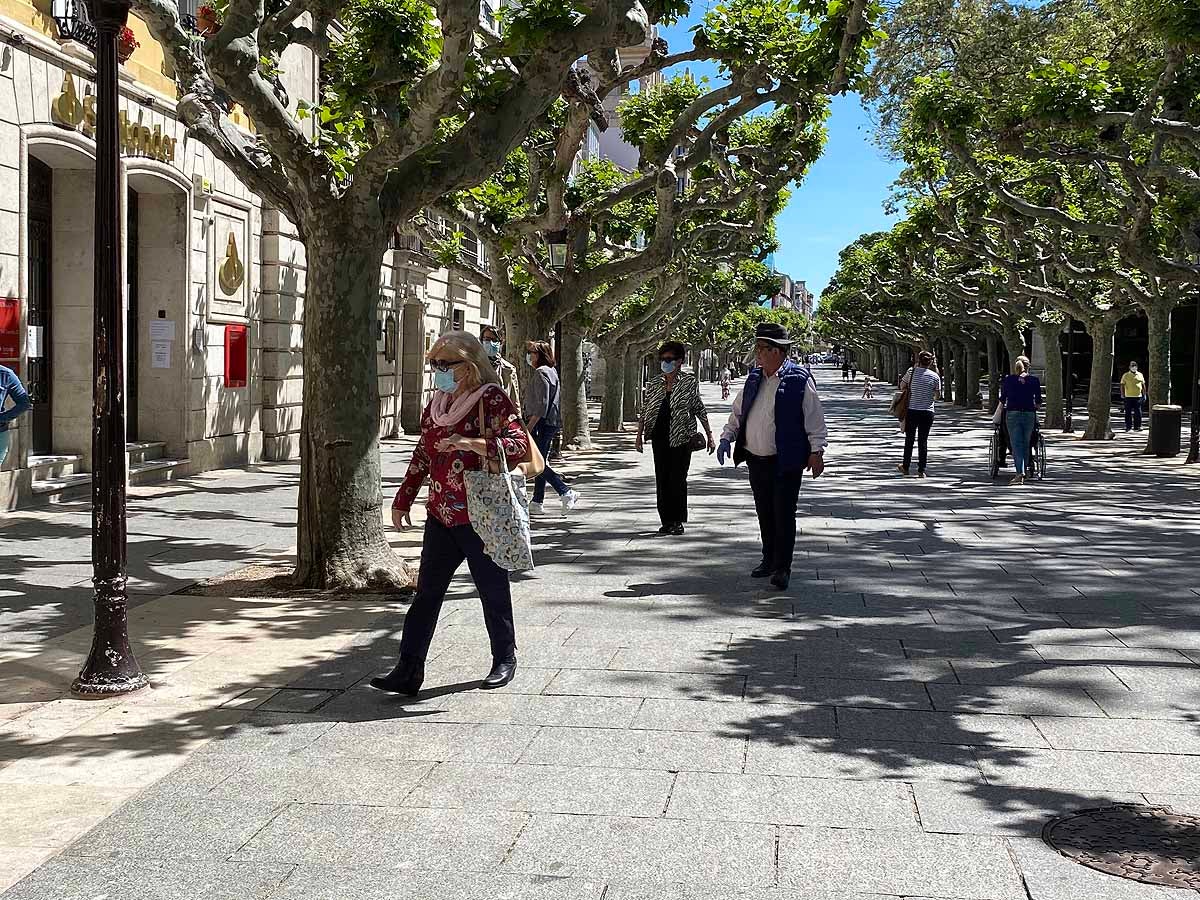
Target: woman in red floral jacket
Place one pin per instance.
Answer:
(451, 444)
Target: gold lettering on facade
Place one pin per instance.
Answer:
(66, 109)
(231, 272)
(135, 138)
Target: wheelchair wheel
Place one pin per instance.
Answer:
(994, 455)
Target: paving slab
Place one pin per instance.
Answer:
(969, 867)
(384, 838)
(779, 800)
(671, 751)
(951, 808)
(655, 850)
(81, 878)
(544, 789)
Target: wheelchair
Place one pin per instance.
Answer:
(1035, 465)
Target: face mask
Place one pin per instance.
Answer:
(492, 348)
(529, 360)
(445, 381)
(668, 366)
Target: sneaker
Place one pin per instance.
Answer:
(900, 468)
(569, 500)
(1018, 479)
(535, 509)
(920, 474)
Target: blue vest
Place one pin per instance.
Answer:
(791, 437)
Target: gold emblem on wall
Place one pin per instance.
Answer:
(231, 273)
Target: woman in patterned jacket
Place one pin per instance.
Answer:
(671, 408)
(451, 443)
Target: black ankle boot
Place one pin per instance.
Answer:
(406, 678)
(502, 673)
(762, 570)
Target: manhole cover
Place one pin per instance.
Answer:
(1150, 844)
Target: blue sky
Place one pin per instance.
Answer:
(841, 198)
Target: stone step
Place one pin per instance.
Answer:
(74, 486)
(56, 480)
(49, 466)
(144, 451)
(157, 469)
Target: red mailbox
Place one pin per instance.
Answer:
(237, 355)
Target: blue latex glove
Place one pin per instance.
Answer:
(723, 450)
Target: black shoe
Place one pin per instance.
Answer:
(406, 678)
(666, 529)
(677, 528)
(762, 570)
(502, 673)
(781, 580)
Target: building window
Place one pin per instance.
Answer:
(458, 319)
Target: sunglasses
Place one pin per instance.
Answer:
(444, 365)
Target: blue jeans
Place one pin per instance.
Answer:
(1021, 424)
(543, 436)
(1133, 413)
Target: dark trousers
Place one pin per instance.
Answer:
(543, 436)
(1133, 412)
(775, 497)
(442, 552)
(671, 466)
(916, 427)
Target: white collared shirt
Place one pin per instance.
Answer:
(760, 424)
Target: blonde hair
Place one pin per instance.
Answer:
(465, 346)
(1021, 365)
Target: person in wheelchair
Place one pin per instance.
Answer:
(1020, 395)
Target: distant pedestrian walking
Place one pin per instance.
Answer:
(543, 417)
(1020, 396)
(724, 384)
(845, 370)
(490, 338)
(777, 428)
(924, 387)
(854, 371)
(10, 388)
(868, 391)
(670, 410)
(451, 444)
(1133, 388)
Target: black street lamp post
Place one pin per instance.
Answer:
(1068, 421)
(1194, 446)
(111, 667)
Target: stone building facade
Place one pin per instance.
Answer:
(214, 280)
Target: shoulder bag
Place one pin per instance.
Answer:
(499, 511)
(899, 407)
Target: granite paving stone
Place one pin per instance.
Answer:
(736, 718)
(1133, 735)
(303, 779)
(528, 709)
(1014, 701)
(1049, 876)
(965, 867)
(174, 828)
(544, 788)
(843, 759)
(385, 838)
(81, 878)
(777, 800)
(647, 684)
(630, 749)
(1001, 811)
(421, 740)
(322, 882)
(938, 727)
(657, 850)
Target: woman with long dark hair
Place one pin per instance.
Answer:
(454, 440)
(543, 418)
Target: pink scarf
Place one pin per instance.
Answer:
(447, 412)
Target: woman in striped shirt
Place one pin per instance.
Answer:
(672, 407)
(924, 386)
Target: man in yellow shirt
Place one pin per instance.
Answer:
(1133, 386)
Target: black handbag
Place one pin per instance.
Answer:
(697, 443)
